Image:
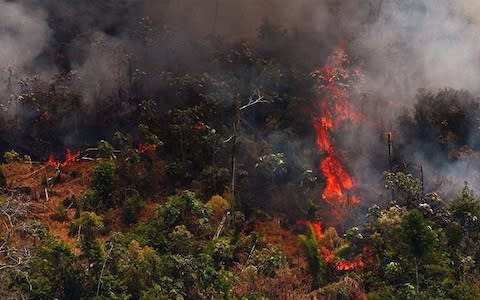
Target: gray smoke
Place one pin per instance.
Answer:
(401, 45)
(422, 44)
(24, 34)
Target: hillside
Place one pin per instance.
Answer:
(158, 149)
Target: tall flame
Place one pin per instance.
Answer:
(335, 109)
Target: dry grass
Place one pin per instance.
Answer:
(31, 177)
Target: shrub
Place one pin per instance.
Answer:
(103, 184)
(11, 156)
(218, 205)
(132, 207)
(105, 150)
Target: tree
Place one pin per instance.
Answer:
(420, 239)
(15, 254)
(56, 271)
(407, 189)
(102, 186)
(309, 245)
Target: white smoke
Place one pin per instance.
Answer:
(423, 44)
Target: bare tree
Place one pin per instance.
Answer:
(14, 258)
(256, 98)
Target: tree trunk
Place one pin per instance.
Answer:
(417, 279)
(236, 125)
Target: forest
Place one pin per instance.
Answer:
(315, 149)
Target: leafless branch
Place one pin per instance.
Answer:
(229, 139)
(13, 258)
(252, 101)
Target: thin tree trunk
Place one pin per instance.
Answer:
(234, 167)
(103, 269)
(417, 279)
(236, 126)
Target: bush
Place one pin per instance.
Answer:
(103, 184)
(268, 260)
(11, 156)
(132, 207)
(62, 212)
(218, 205)
(105, 150)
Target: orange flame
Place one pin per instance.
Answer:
(70, 158)
(317, 230)
(329, 257)
(335, 108)
(143, 148)
(199, 126)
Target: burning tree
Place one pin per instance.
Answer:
(324, 251)
(334, 81)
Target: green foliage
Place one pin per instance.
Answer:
(272, 165)
(132, 207)
(103, 180)
(214, 180)
(221, 250)
(105, 150)
(62, 212)
(179, 172)
(102, 186)
(465, 207)
(181, 240)
(465, 290)
(56, 272)
(419, 237)
(91, 224)
(185, 209)
(269, 259)
(148, 135)
(407, 188)
(309, 245)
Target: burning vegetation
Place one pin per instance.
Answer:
(334, 110)
(263, 164)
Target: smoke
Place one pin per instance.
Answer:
(400, 45)
(403, 45)
(104, 72)
(24, 34)
(422, 44)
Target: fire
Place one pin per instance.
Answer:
(199, 126)
(338, 181)
(335, 109)
(350, 265)
(143, 148)
(317, 230)
(70, 158)
(328, 254)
